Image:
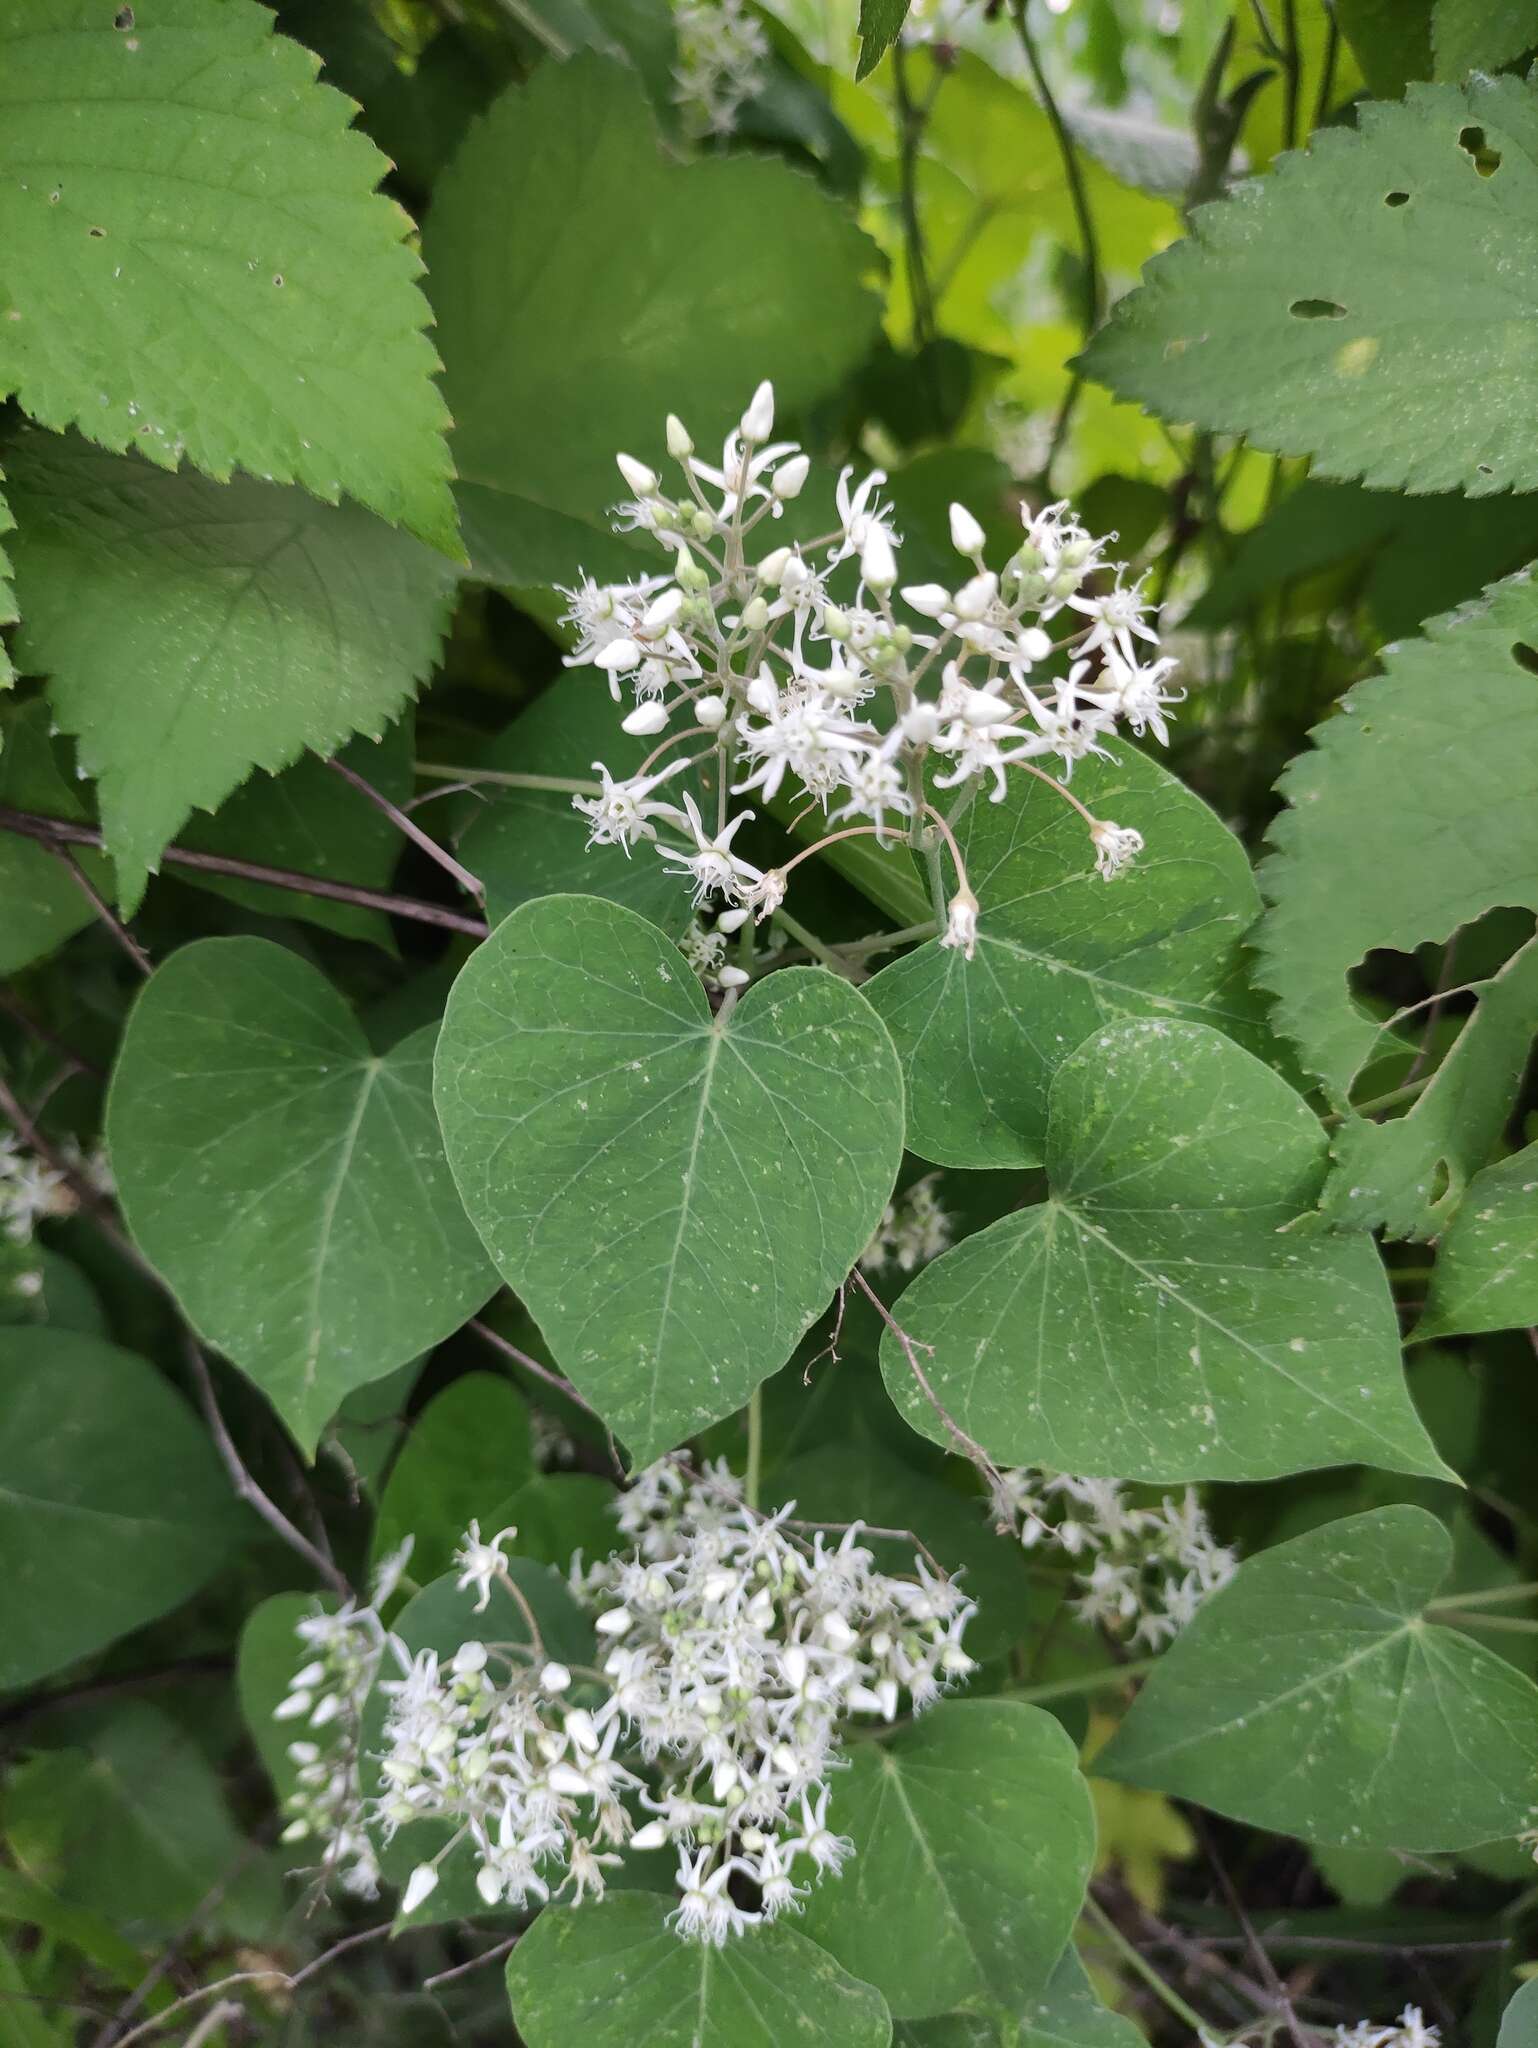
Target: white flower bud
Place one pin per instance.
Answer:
(662, 611)
(928, 599)
(420, 1887)
(838, 1632)
(614, 1622)
(773, 567)
(975, 596)
(978, 707)
(567, 1780)
(618, 656)
(758, 420)
(835, 623)
(921, 725)
(733, 920)
(291, 1708)
(642, 481)
(555, 1678)
(966, 535)
(645, 720)
(755, 615)
(680, 446)
(309, 1677)
(878, 564)
(579, 1726)
(653, 1836)
(790, 478)
(732, 977)
(688, 572)
(1033, 643)
(468, 1659)
(711, 712)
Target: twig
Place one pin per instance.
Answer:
(490, 1955)
(42, 1032)
(1094, 292)
(471, 884)
(1144, 1969)
(500, 778)
(211, 2022)
(53, 831)
(968, 1446)
(543, 1372)
(103, 909)
(282, 1980)
(1297, 2033)
(247, 1488)
(910, 130)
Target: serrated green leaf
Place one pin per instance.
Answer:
(572, 323)
(135, 1826)
(1060, 951)
(1469, 35)
(1153, 1319)
(524, 843)
(440, 1618)
(286, 1182)
(613, 1974)
(1486, 1274)
(308, 819)
(198, 264)
(1410, 1174)
(466, 1452)
(973, 1838)
(1412, 815)
(113, 1507)
(881, 23)
(252, 621)
(673, 1196)
(1315, 1697)
(1320, 313)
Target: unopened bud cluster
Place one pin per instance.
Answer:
(30, 1189)
(914, 1229)
(1141, 1572)
(342, 1656)
(738, 1652)
(769, 659)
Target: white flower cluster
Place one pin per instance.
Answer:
(737, 1652)
(344, 1653)
(29, 1190)
(1410, 2030)
(913, 1230)
(1141, 1572)
(798, 663)
(723, 61)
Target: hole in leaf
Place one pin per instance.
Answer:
(1396, 199)
(1525, 656)
(1487, 161)
(96, 233)
(1441, 1180)
(1316, 309)
(124, 18)
(278, 278)
(1484, 469)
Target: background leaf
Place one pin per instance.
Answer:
(623, 286)
(1314, 1697)
(673, 1198)
(614, 1973)
(1486, 1273)
(1152, 1319)
(466, 1452)
(1482, 35)
(1357, 304)
(113, 1507)
(197, 263)
(288, 1183)
(973, 1840)
(253, 622)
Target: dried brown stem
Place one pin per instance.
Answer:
(471, 884)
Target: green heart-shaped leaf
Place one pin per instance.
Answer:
(286, 1181)
(1313, 1696)
(1059, 950)
(973, 1836)
(674, 1195)
(614, 1974)
(1153, 1319)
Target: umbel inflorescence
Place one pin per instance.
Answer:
(736, 1652)
(813, 665)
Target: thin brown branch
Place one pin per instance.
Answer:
(279, 1980)
(471, 884)
(968, 1446)
(62, 831)
(542, 1372)
(1297, 2033)
(247, 1488)
(45, 1035)
(490, 1955)
(103, 909)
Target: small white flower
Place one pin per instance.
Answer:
(961, 923)
(758, 420)
(420, 1887)
(1116, 847)
(481, 1563)
(712, 866)
(967, 537)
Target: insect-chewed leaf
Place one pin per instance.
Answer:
(1486, 1274)
(674, 1196)
(288, 1183)
(1152, 1319)
(197, 263)
(1314, 1696)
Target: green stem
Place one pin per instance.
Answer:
(755, 1446)
(1105, 1679)
(1144, 1969)
(1072, 170)
(1494, 1596)
(442, 771)
(887, 942)
(818, 949)
(910, 131)
(1505, 1623)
